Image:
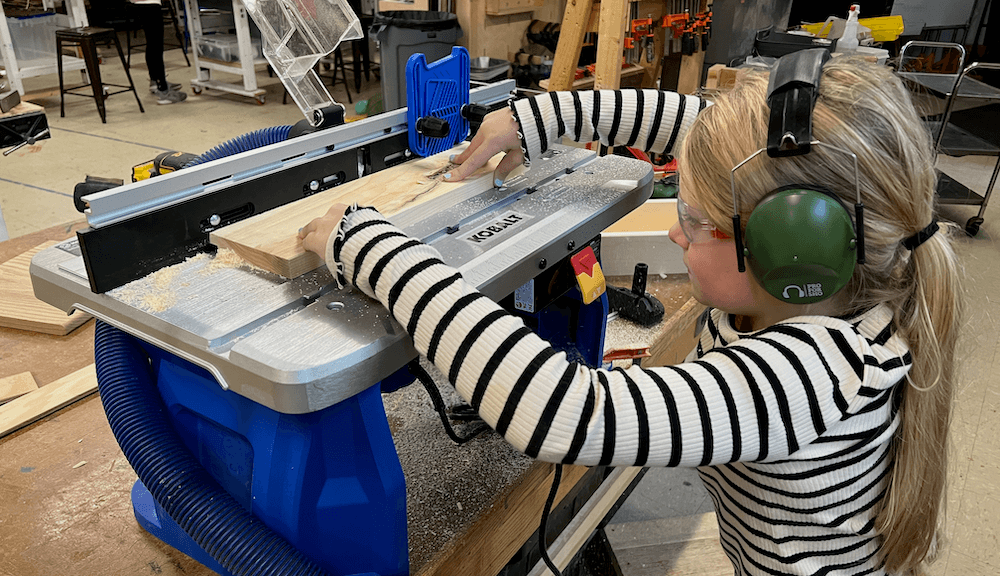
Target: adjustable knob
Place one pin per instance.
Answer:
(433, 127)
(475, 113)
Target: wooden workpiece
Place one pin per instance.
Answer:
(270, 240)
(65, 485)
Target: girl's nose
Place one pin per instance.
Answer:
(677, 236)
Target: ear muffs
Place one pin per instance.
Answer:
(800, 244)
(800, 241)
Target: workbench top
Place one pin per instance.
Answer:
(65, 504)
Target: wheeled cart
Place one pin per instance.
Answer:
(245, 56)
(967, 126)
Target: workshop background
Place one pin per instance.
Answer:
(666, 526)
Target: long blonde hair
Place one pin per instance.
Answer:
(865, 109)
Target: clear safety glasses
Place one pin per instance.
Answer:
(695, 226)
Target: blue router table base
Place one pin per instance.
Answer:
(329, 481)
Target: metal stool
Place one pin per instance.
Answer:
(87, 38)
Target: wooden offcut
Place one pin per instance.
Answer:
(17, 385)
(20, 309)
(393, 5)
(270, 240)
(37, 404)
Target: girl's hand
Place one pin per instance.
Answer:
(316, 234)
(498, 133)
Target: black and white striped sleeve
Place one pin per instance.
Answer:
(651, 120)
(760, 398)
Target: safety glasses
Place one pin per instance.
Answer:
(695, 226)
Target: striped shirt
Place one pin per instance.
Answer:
(650, 120)
(790, 425)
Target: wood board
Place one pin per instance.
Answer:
(270, 240)
(20, 309)
(47, 399)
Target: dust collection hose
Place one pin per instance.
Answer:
(178, 482)
(243, 143)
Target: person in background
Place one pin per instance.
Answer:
(150, 15)
(819, 429)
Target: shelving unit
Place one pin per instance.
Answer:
(952, 135)
(244, 66)
(19, 69)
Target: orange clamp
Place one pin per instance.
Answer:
(676, 21)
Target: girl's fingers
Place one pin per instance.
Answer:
(510, 161)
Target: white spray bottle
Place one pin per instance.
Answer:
(849, 40)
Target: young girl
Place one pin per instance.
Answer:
(819, 430)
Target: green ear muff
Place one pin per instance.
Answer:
(801, 244)
(800, 241)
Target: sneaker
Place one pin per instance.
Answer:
(169, 96)
(171, 86)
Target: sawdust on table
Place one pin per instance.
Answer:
(158, 291)
(448, 486)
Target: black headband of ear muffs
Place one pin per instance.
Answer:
(791, 95)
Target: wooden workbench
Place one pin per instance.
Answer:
(65, 503)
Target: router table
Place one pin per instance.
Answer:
(266, 410)
(470, 512)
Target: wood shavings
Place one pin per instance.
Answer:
(157, 292)
(621, 333)
(226, 258)
(448, 486)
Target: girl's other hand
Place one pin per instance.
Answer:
(498, 133)
(316, 234)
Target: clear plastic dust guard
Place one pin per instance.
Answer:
(296, 34)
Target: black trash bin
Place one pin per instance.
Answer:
(403, 33)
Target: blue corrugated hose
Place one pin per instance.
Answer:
(191, 497)
(248, 141)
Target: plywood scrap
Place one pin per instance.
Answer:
(37, 404)
(17, 385)
(270, 240)
(20, 309)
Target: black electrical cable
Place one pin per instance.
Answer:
(542, 524)
(425, 379)
(428, 383)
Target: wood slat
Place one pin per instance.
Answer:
(270, 240)
(47, 399)
(574, 26)
(20, 309)
(610, 40)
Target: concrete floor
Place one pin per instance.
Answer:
(667, 525)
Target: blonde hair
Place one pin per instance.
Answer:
(865, 109)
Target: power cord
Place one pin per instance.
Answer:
(542, 524)
(428, 383)
(465, 413)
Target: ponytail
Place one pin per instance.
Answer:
(928, 319)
